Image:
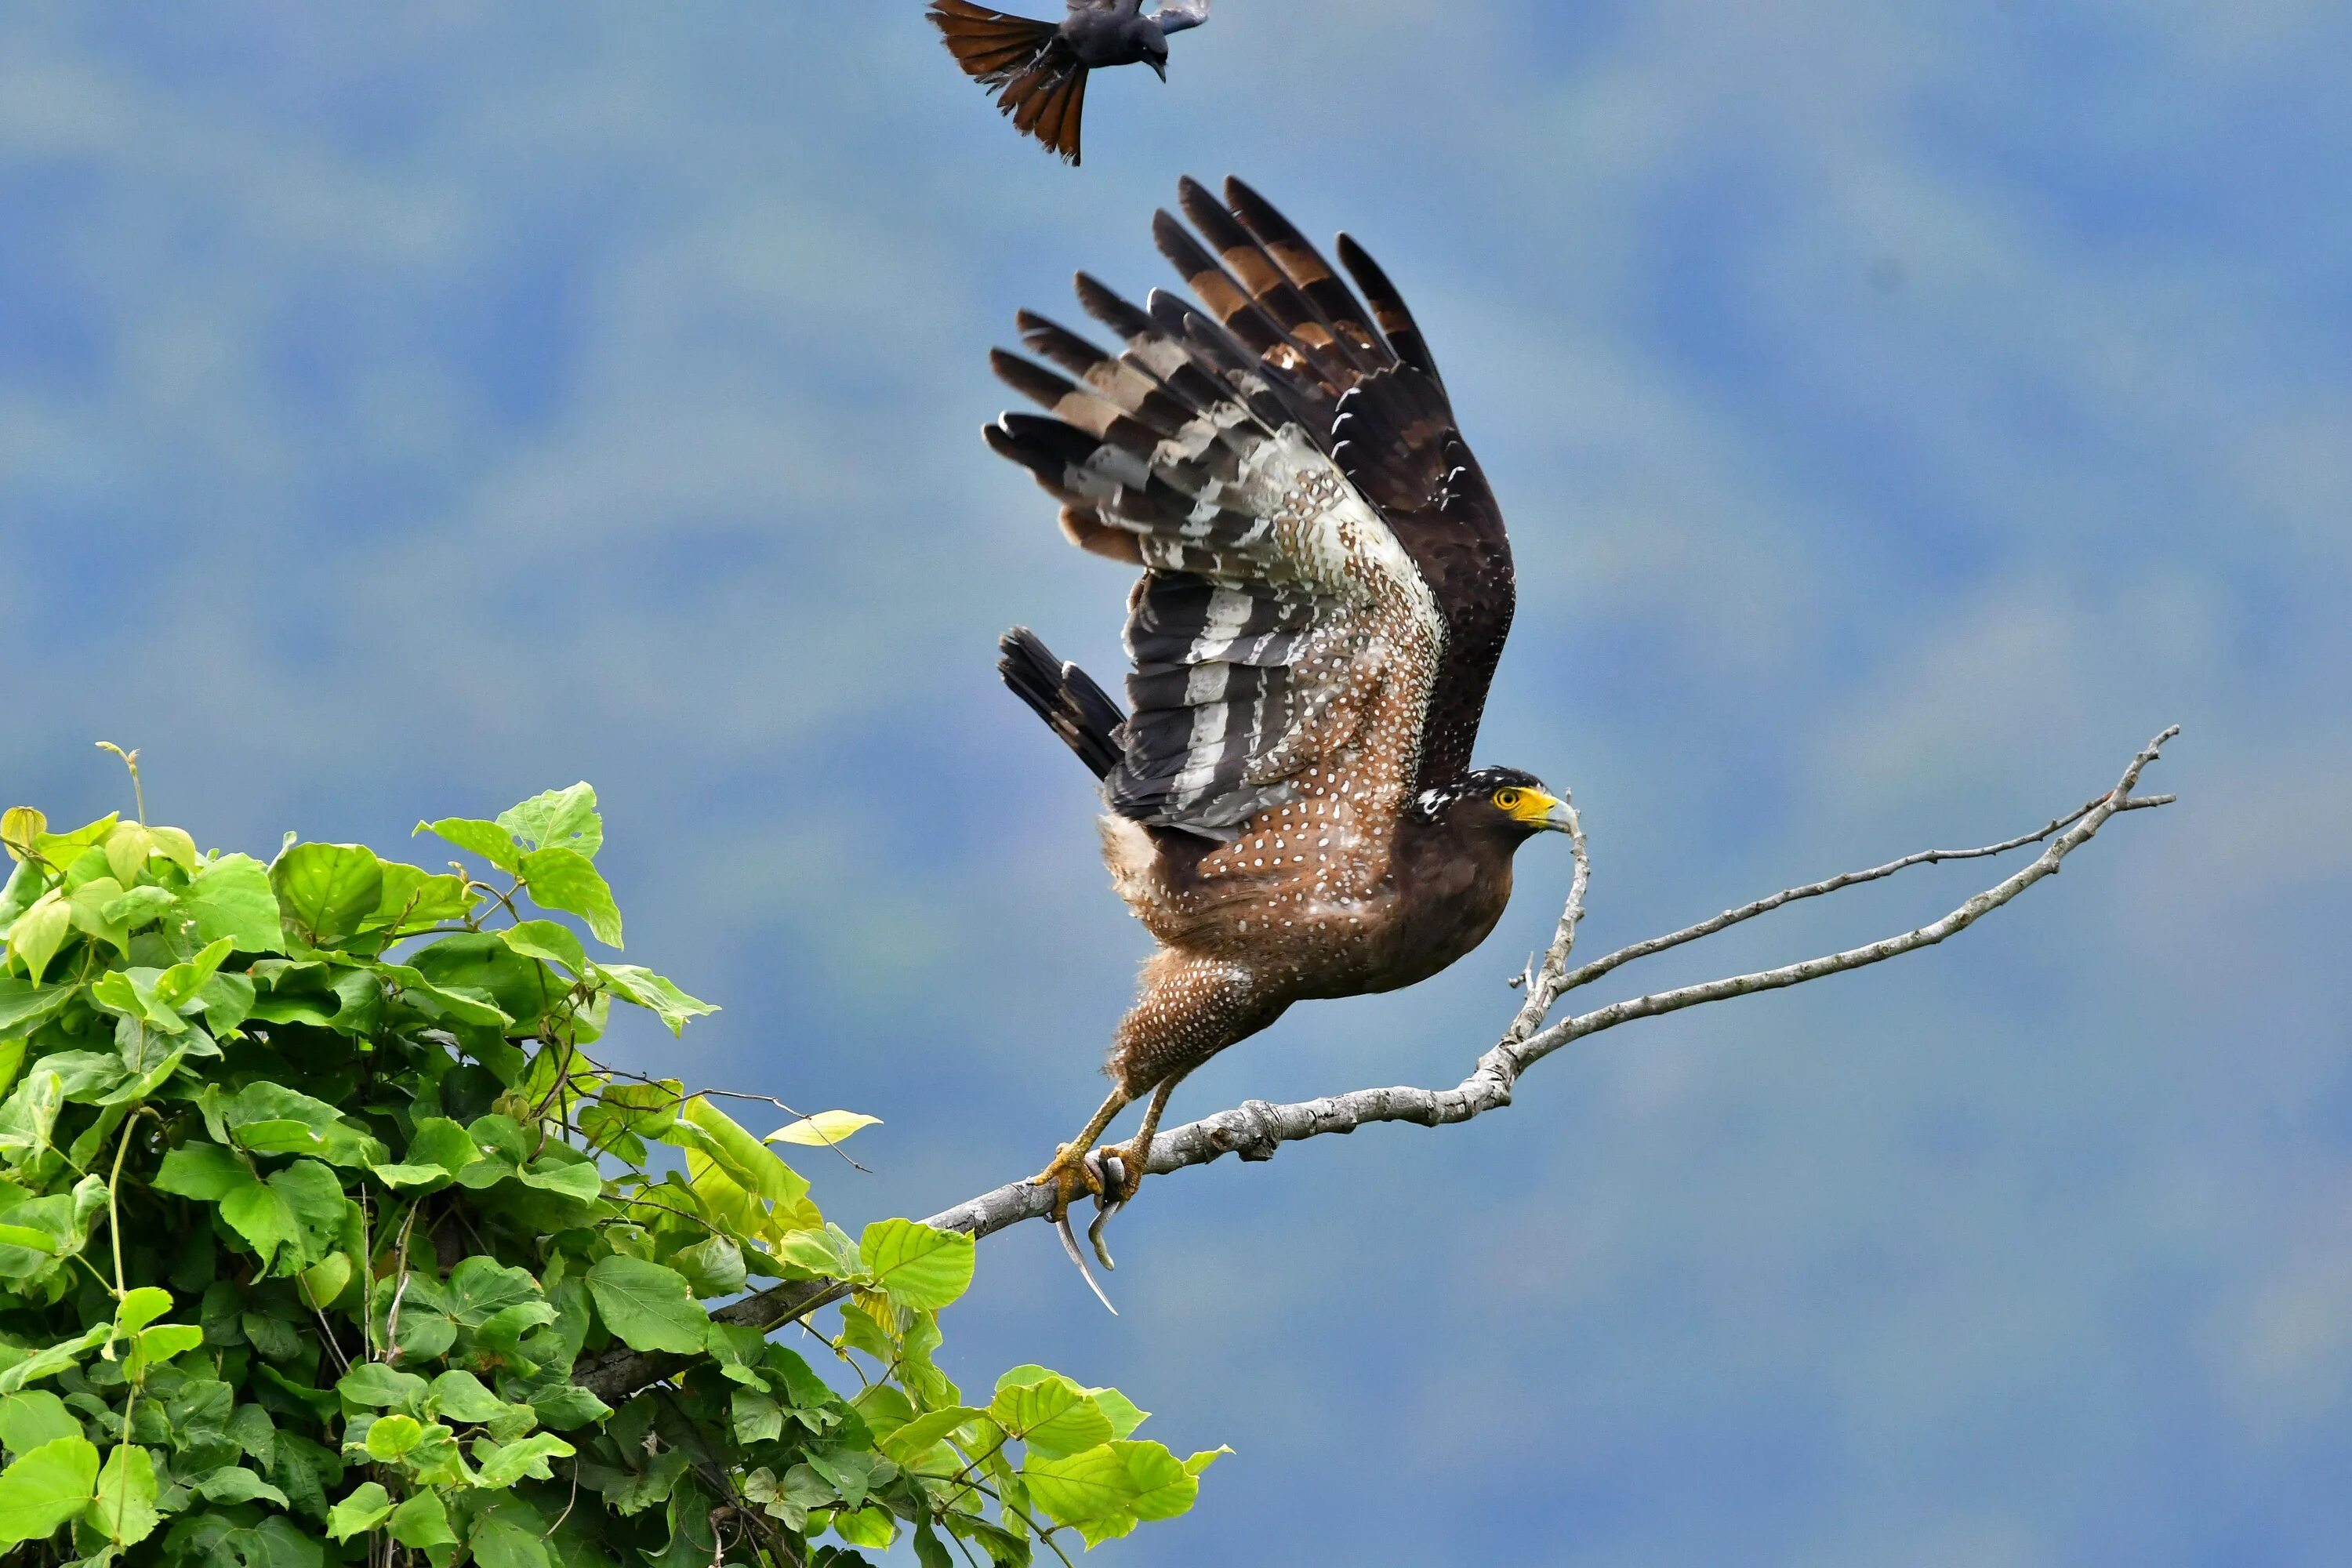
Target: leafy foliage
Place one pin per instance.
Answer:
(313, 1195)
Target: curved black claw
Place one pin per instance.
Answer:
(1067, 1176)
(1070, 1245)
(1112, 1191)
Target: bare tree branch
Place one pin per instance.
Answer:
(1255, 1128)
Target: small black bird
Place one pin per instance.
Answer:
(1038, 70)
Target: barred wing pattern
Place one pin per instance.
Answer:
(1287, 636)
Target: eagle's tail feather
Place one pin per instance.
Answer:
(1065, 697)
(988, 45)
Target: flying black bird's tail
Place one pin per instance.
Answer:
(1036, 77)
(1064, 695)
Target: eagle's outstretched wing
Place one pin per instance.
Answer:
(1039, 81)
(1327, 584)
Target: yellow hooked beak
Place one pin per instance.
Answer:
(1542, 812)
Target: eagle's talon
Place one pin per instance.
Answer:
(1095, 1231)
(1068, 1175)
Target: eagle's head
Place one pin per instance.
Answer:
(1503, 802)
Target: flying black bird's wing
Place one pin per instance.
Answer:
(1177, 15)
(1284, 627)
(1038, 80)
(1366, 392)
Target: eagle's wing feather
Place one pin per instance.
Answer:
(1279, 627)
(1037, 78)
(1328, 583)
(1369, 394)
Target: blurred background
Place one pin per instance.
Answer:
(1902, 413)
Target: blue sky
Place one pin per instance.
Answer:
(1901, 412)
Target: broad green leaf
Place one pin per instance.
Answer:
(547, 940)
(391, 1437)
(748, 1161)
(122, 1508)
(1107, 1490)
(635, 982)
(375, 1385)
(501, 1465)
(487, 839)
(126, 849)
(325, 889)
(29, 1115)
(205, 1172)
(139, 1308)
(439, 1141)
(62, 849)
(362, 1511)
(421, 1522)
(20, 827)
(325, 1280)
(33, 1417)
(178, 985)
(39, 932)
(141, 906)
(460, 1395)
(712, 1267)
(915, 1265)
(87, 908)
(825, 1128)
(50, 1360)
(416, 900)
(1053, 1416)
(498, 1542)
(1124, 1414)
(561, 878)
(560, 817)
(25, 1006)
(46, 1487)
(160, 1343)
(174, 845)
(232, 897)
(260, 1213)
(911, 1441)
(646, 1306)
(827, 1251)
(236, 1484)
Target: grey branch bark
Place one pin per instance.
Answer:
(1255, 1128)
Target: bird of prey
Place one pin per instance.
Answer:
(1038, 70)
(1292, 811)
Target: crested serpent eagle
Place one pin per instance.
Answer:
(1292, 809)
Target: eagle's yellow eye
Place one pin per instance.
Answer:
(1506, 800)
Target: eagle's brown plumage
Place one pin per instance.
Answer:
(1326, 587)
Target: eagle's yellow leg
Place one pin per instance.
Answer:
(1122, 1166)
(1068, 1175)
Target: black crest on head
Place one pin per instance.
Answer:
(1431, 805)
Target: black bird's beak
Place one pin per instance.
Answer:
(1159, 69)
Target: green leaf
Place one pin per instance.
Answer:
(20, 827)
(373, 1385)
(33, 1417)
(823, 1130)
(123, 1507)
(560, 817)
(422, 1522)
(635, 982)
(86, 905)
(1107, 1490)
(504, 1464)
(39, 932)
(62, 849)
(205, 1172)
(749, 1163)
(1124, 1414)
(416, 900)
(712, 1267)
(1053, 1416)
(547, 940)
(646, 1306)
(46, 1487)
(232, 897)
(910, 1441)
(474, 837)
(143, 905)
(362, 1511)
(139, 1308)
(178, 984)
(460, 1395)
(326, 890)
(25, 1006)
(498, 1542)
(915, 1265)
(236, 1484)
(561, 878)
(391, 1437)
